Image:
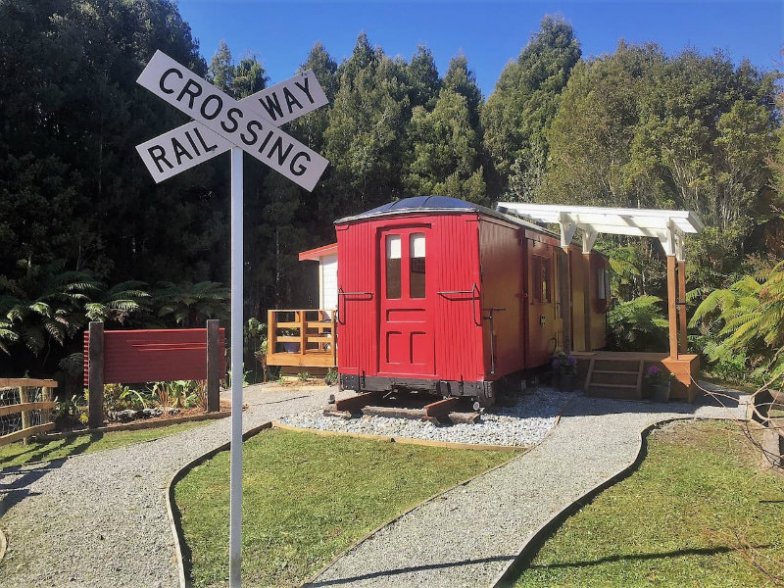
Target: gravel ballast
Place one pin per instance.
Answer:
(524, 423)
(470, 535)
(101, 519)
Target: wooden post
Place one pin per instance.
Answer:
(587, 300)
(95, 375)
(334, 344)
(213, 366)
(672, 311)
(565, 288)
(25, 414)
(272, 333)
(303, 331)
(682, 343)
(46, 396)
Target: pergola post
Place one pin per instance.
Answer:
(672, 311)
(682, 305)
(589, 239)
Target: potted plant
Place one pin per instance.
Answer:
(657, 382)
(564, 371)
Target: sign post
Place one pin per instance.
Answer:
(237, 369)
(221, 123)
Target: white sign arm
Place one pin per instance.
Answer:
(239, 123)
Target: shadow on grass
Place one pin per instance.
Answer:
(707, 551)
(33, 469)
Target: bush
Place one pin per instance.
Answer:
(637, 325)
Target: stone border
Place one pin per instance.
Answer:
(3, 545)
(535, 541)
(135, 426)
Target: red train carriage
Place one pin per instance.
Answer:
(444, 296)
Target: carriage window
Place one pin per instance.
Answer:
(393, 266)
(536, 278)
(417, 265)
(559, 292)
(547, 281)
(602, 285)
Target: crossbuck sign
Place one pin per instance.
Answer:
(221, 123)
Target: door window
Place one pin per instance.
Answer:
(547, 281)
(417, 265)
(394, 254)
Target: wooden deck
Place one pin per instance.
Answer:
(618, 374)
(301, 338)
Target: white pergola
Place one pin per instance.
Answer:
(668, 226)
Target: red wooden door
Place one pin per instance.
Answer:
(406, 323)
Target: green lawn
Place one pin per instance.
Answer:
(307, 498)
(18, 454)
(682, 519)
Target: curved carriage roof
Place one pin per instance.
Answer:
(427, 204)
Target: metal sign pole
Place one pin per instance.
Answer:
(215, 128)
(235, 483)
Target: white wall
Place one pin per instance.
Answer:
(328, 282)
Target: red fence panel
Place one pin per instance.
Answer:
(154, 355)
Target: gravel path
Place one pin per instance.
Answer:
(100, 520)
(470, 535)
(526, 422)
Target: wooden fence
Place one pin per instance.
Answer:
(29, 398)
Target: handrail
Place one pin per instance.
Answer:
(341, 293)
(474, 291)
(492, 310)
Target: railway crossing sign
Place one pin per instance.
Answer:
(247, 124)
(221, 123)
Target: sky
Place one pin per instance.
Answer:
(490, 34)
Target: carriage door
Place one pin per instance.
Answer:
(406, 344)
(542, 340)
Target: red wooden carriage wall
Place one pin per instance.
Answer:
(442, 295)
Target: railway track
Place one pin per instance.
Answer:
(445, 411)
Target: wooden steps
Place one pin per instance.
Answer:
(620, 379)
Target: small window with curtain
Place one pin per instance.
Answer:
(547, 281)
(558, 261)
(394, 254)
(417, 265)
(536, 277)
(602, 285)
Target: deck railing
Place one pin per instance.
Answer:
(25, 408)
(301, 338)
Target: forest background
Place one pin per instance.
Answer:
(86, 235)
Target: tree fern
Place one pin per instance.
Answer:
(638, 325)
(747, 318)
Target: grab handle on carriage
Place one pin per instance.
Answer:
(474, 291)
(339, 316)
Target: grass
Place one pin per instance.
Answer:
(18, 454)
(695, 514)
(307, 498)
